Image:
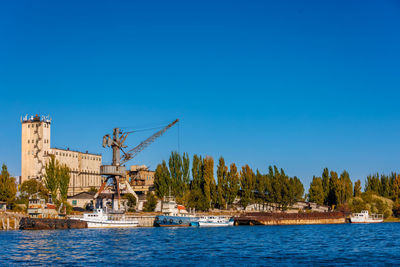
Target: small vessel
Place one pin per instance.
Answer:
(212, 221)
(365, 217)
(38, 208)
(101, 219)
(174, 215)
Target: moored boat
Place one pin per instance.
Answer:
(174, 215)
(101, 219)
(365, 217)
(213, 221)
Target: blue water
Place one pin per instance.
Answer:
(369, 244)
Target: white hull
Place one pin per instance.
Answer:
(100, 219)
(209, 224)
(355, 220)
(111, 225)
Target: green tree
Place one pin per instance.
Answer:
(357, 189)
(316, 191)
(385, 189)
(64, 178)
(247, 184)
(162, 179)
(325, 184)
(131, 201)
(186, 171)
(233, 184)
(8, 187)
(51, 177)
(346, 190)
(334, 189)
(151, 202)
(175, 169)
(296, 190)
(261, 187)
(373, 184)
(209, 181)
(222, 177)
(197, 199)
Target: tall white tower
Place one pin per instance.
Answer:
(35, 146)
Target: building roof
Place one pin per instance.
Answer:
(83, 195)
(69, 150)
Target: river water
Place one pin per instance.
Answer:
(345, 244)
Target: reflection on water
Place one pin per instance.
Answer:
(373, 244)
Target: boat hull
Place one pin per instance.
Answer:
(208, 224)
(111, 225)
(365, 221)
(174, 221)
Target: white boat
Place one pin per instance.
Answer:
(101, 219)
(215, 221)
(365, 217)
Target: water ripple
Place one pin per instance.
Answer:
(321, 245)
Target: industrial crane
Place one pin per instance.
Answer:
(116, 171)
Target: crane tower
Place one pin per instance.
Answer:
(116, 172)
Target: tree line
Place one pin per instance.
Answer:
(203, 192)
(333, 190)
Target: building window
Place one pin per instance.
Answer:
(28, 141)
(74, 202)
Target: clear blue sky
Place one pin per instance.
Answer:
(300, 84)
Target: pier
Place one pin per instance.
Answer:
(10, 220)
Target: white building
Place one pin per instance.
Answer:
(35, 151)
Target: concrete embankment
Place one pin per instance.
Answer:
(50, 224)
(145, 221)
(263, 218)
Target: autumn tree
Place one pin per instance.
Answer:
(357, 188)
(396, 188)
(316, 191)
(8, 187)
(296, 190)
(31, 187)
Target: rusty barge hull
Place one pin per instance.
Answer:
(50, 224)
(263, 218)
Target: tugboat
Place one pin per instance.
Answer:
(365, 217)
(174, 215)
(212, 221)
